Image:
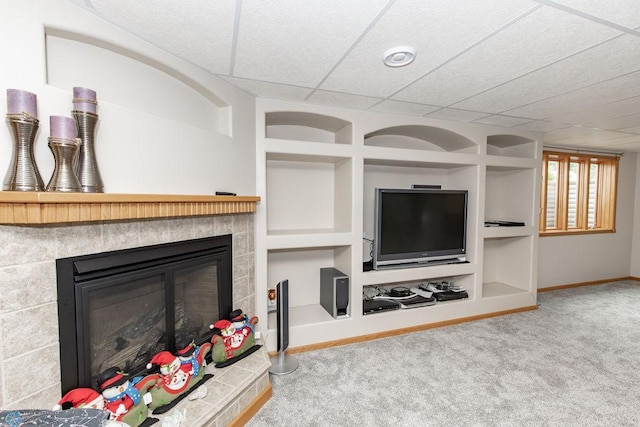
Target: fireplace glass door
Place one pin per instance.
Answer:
(127, 310)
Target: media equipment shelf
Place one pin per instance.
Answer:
(381, 277)
(318, 168)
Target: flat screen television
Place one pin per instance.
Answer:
(415, 227)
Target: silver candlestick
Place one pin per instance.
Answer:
(23, 174)
(64, 178)
(86, 166)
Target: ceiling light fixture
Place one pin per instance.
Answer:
(399, 56)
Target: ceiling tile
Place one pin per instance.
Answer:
(621, 12)
(458, 115)
(633, 129)
(502, 120)
(593, 95)
(600, 63)
(400, 107)
(438, 29)
(537, 40)
(542, 126)
(590, 116)
(298, 42)
(599, 137)
(183, 28)
(567, 132)
(342, 99)
(270, 90)
(623, 123)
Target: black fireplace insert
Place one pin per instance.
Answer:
(119, 308)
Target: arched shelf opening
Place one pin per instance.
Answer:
(511, 146)
(419, 137)
(302, 126)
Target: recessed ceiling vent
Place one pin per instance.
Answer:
(399, 56)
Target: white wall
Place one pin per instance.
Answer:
(584, 258)
(166, 127)
(635, 250)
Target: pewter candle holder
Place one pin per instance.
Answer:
(86, 166)
(23, 174)
(64, 178)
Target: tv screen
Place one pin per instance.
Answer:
(419, 226)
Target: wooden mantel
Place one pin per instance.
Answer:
(33, 208)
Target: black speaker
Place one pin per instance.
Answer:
(334, 292)
(282, 363)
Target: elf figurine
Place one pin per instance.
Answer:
(179, 375)
(124, 395)
(237, 340)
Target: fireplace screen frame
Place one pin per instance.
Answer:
(74, 273)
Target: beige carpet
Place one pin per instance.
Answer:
(573, 362)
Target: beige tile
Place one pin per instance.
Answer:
(223, 225)
(240, 266)
(241, 223)
(27, 285)
(203, 226)
(153, 232)
(29, 373)
(31, 326)
(240, 242)
(181, 229)
(42, 399)
(20, 245)
(74, 240)
(218, 393)
(121, 235)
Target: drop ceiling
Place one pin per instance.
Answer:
(568, 68)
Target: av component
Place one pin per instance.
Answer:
(282, 363)
(334, 292)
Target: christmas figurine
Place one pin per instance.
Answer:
(237, 340)
(179, 375)
(81, 398)
(124, 396)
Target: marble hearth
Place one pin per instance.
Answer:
(29, 351)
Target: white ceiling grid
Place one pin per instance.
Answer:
(568, 68)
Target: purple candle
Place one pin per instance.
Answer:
(63, 127)
(21, 101)
(84, 100)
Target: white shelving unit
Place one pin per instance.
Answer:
(317, 170)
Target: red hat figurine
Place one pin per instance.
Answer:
(81, 398)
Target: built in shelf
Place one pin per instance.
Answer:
(34, 208)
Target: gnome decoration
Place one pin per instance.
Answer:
(124, 396)
(237, 340)
(179, 375)
(81, 398)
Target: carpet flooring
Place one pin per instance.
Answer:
(573, 362)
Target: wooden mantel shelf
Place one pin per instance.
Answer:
(33, 208)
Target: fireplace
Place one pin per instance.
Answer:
(120, 308)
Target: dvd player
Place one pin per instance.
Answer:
(450, 295)
(499, 223)
(417, 301)
(378, 305)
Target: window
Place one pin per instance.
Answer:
(578, 193)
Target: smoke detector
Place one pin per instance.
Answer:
(399, 56)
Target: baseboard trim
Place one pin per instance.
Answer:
(590, 283)
(253, 408)
(394, 332)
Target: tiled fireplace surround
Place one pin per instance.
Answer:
(29, 352)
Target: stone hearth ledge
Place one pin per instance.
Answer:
(34, 208)
(234, 394)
